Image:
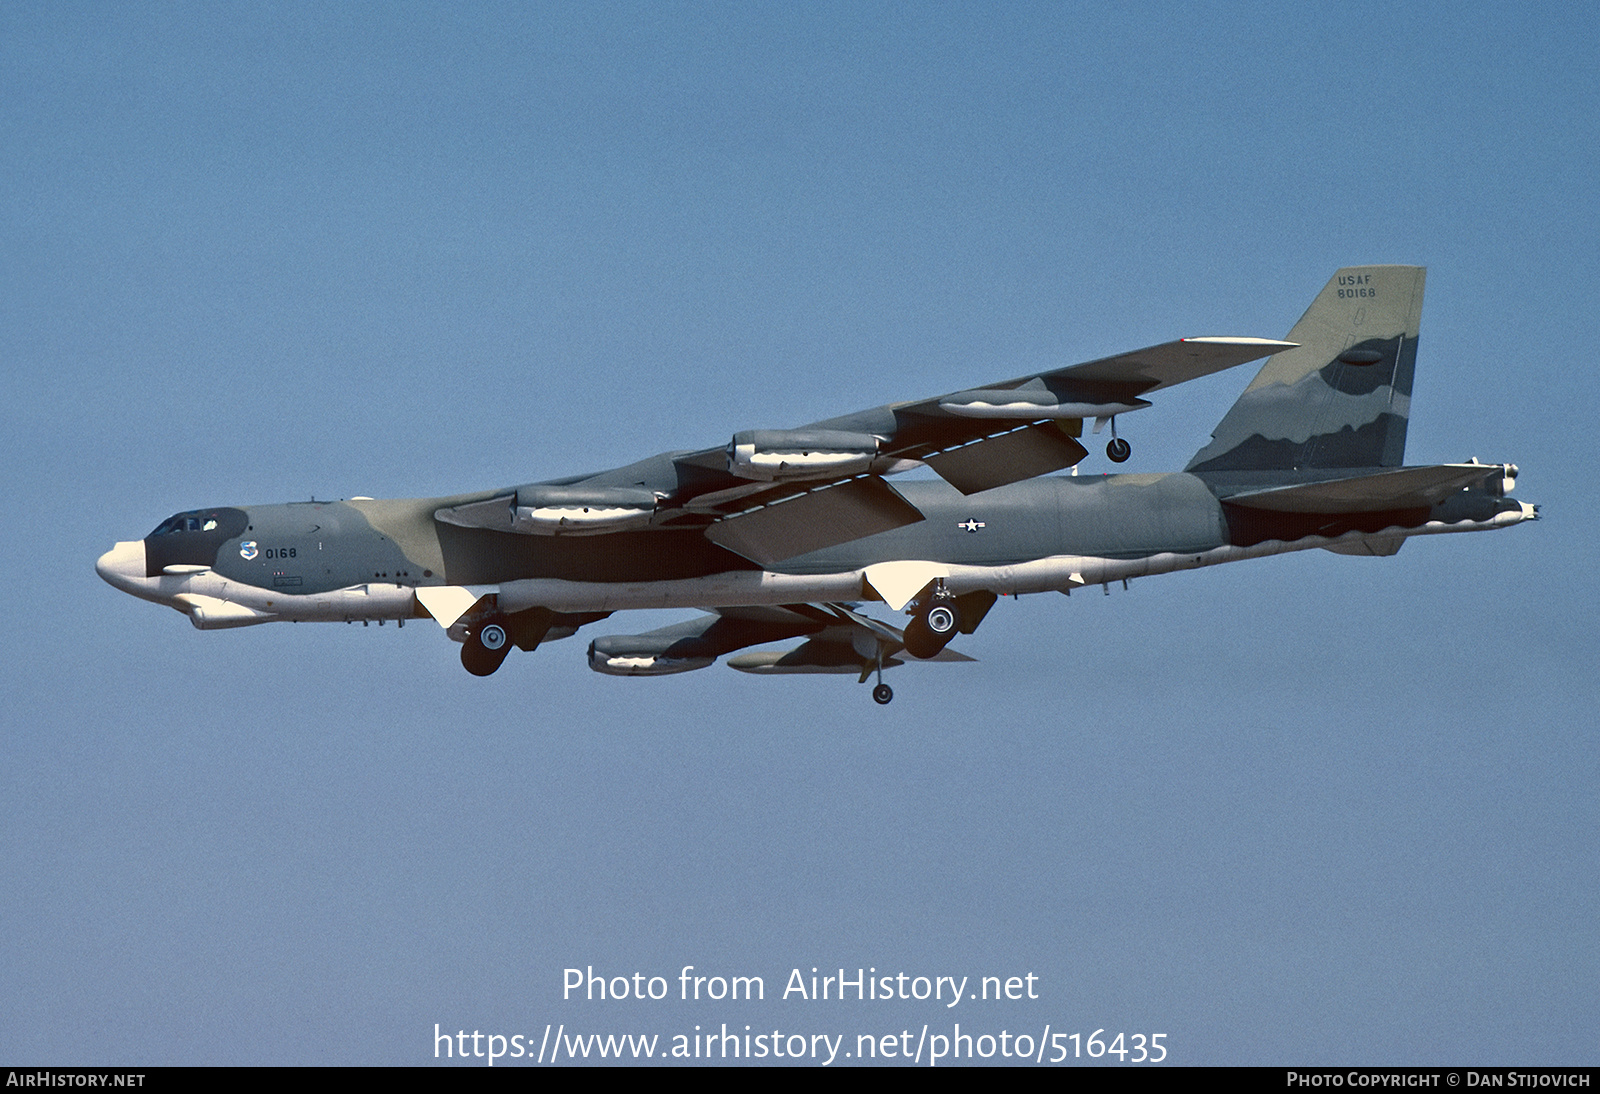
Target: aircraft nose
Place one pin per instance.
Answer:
(123, 565)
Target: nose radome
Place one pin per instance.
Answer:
(123, 564)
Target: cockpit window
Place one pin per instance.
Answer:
(192, 538)
(183, 522)
(202, 520)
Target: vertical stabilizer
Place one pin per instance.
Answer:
(1343, 397)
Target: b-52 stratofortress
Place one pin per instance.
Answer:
(784, 534)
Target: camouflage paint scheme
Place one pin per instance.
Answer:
(785, 534)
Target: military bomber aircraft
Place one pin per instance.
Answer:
(786, 534)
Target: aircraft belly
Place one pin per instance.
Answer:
(367, 601)
(475, 556)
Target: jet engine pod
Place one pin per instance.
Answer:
(581, 510)
(1505, 482)
(791, 455)
(646, 655)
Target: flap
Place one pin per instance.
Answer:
(814, 520)
(1010, 457)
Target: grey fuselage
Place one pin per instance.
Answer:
(363, 558)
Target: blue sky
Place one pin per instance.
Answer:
(1313, 809)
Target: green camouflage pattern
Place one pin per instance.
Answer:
(1343, 397)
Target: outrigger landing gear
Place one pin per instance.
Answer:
(1117, 449)
(882, 693)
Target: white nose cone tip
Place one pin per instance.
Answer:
(124, 565)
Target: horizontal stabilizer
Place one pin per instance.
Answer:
(1405, 488)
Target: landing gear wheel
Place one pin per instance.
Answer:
(882, 694)
(930, 631)
(944, 619)
(485, 649)
(1118, 450)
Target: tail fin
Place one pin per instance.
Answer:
(1343, 397)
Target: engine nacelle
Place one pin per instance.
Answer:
(558, 510)
(1502, 484)
(582, 510)
(796, 455)
(646, 655)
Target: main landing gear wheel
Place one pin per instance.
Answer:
(1118, 450)
(485, 649)
(882, 694)
(930, 631)
(943, 619)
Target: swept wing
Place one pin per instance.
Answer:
(771, 495)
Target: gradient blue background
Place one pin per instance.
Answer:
(1313, 809)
